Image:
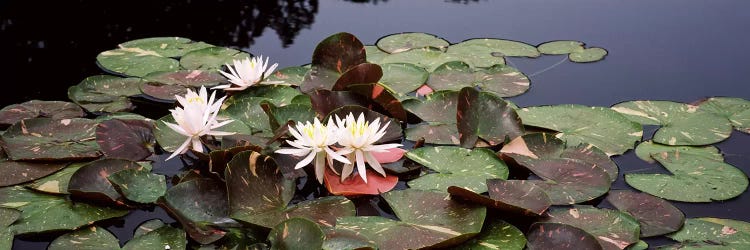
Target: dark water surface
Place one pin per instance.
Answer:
(678, 50)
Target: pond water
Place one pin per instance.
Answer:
(678, 50)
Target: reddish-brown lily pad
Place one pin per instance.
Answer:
(90, 181)
(655, 215)
(514, 196)
(51, 139)
(126, 139)
(380, 96)
(544, 236)
(163, 92)
(354, 185)
(613, 229)
(360, 74)
(332, 57)
(188, 78)
(198, 204)
(487, 116)
(16, 172)
(569, 181)
(36, 108)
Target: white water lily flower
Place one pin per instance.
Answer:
(196, 117)
(247, 72)
(314, 140)
(357, 138)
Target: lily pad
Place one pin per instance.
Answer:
(37, 209)
(168, 139)
(17, 172)
(259, 194)
(647, 148)
(569, 181)
(605, 129)
(164, 237)
(560, 236)
(382, 99)
(278, 116)
(166, 46)
(198, 204)
(560, 47)
(505, 81)
(374, 54)
(613, 229)
(211, 58)
(681, 124)
(588, 55)
(435, 134)
(105, 93)
(51, 139)
(346, 239)
(57, 183)
(7, 217)
(163, 92)
(296, 233)
(332, 57)
(486, 116)
(513, 196)
(456, 166)
(497, 234)
(188, 78)
(35, 108)
(693, 179)
(126, 139)
(359, 74)
(90, 238)
(741, 226)
(354, 185)
(401, 42)
(427, 219)
(135, 61)
(277, 94)
(289, 76)
(148, 226)
(483, 53)
(656, 216)
(139, 185)
(90, 181)
(427, 58)
(439, 107)
(698, 233)
(736, 110)
(403, 78)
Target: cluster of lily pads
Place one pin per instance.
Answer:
(479, 172)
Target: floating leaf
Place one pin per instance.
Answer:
(505, 81)
(601, 127)
(90, 181)
(741, 226)
(346, 239)
(488, 52)
(218, 159)
(168, 139)
(165, 92)
(438, 107)
(105, 93)
(90, 238)
(693, 179)
(374, 54)
(245, 106)
(17, 172)
(188, 78)
(697, 233)
(588, 55)
(211, 58)
(35, 108)
(648, 148)
(401, 42)
(435, 134)
(296, 233)
(289, 76)
(734, 109)
(135, 62)
(354, 185)
(7, 217)
(126, 139)
(332, 57)
(166, 46)
(57, 183)
(681, 124)
(139, 185)
(403, 78)
(148, 226)
(496, 234)
(385, 100)
(164, 237)
(198, 204)
(569, 181)
(37, 209)
(560, 236)
(296, 112)
(486, 116)
(613, 229)
(427, 219)
(389, 155)
(51, 139)
(427, 58)
(560, 47)
(456, 166)
(656, 216)
(514, 196)
(359, 74)
(640, 245)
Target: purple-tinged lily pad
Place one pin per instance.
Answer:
(296, 233)
(427, 220)
(542, 236)
(496, 234)
(487, 116)
(613, 229)
(360, 74)
(36, 108)
(198, 204)
(514, 196)
(456, 166)
(90, 181)
(569, 181)
(332, 57)
(126, 139)
(384, 99)
(51, 139)
(656, 216)
(218, 159)
(57, 183)
(187, 78)
(324, 101)
(16, 172)
(163, 92)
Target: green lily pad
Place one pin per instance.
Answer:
(296, 233)
(427, 219)
(135, 62)
(52, 139)
(35, 108)
(90, 181)
(505, 81)
(647, 148)
(374, 54)
(126, 139)
(7, 217)
(741, 226)
(259, 194)
(332, 57)
(697, 233)
(163, 237)
(296, 112)
(148, 226)
(736, 110)
(249, 112)
(346, 239)
(57, 183)
(90, 238)
(403, 78)
(640, 245)
(166, 46)
(427, 58)
(483, 53)
(531, 147)
(45, 213)
(17, 172)
(139, 185)
(289, 76)
(513, 196)
(218, 159)
(693, 179)
(439, 107)
(497, 234)
(198, 204)
(277, 94)
(105, 93)
(188, 78)
(605, 129)
(560, 236)
(401, 42)
(681, 124)
(486, 116)
(588, 55)
(211, 58)
(613, 229)
(168, 139)
(444, 134)
(456, 166)
(656, 216)
(560, 47)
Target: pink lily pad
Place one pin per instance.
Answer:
(393, 155)
(424, 90)
(354, 185)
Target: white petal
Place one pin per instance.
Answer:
(293, 151)
(180, 149)
(374, 164)
(306, 160)
(360, 158)
(320, 166)
(336, 156)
